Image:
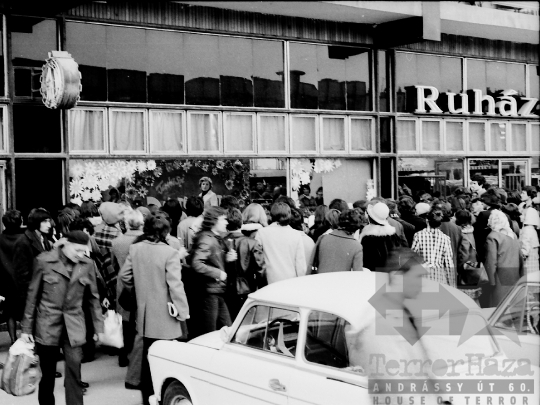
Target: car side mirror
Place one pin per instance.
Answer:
(224, 333)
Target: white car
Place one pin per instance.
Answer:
(299, 342)
(519, 313)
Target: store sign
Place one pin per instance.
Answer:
(60, 81)
(507, 104)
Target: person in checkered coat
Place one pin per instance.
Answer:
(436, 249)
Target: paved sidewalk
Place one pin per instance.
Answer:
(105, 377)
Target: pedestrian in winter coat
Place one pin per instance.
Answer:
(33, 242)
(338, 250)
(466, 254)
(378, 238)
(109, 229)
(529, 240)
(209, 256)
(8, 285)
(408, 229)
(503, 261)
(297, 223)
(194, 209)
(436, 249)
(282, 246)
(152, 268)
(120, 249)
(247, 273)
(63, 282)
(253, 218)
(451, 230)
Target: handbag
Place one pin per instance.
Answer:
(474, 274)
(21, 374)
(112, 330)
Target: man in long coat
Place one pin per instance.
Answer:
(63, 281)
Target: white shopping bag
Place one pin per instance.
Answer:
(112, 330)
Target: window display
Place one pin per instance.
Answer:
(436, 176)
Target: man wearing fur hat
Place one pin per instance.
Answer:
(109, 229)
(63, 282)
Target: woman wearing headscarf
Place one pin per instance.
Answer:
(503, 261)
(529, 240)
(209, 197)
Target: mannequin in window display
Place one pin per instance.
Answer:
(208, 196)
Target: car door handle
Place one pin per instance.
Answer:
(276, 385)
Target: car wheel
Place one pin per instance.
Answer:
(176, 394)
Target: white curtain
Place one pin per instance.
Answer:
(166, 132)
(454, 136)
(272, 133)
(361, 135)
(477, 137)
(127, 130)
(431, 136)
(498, 137)
(304, 133)
(406, 135)
(239, 133)
(86, 130)
(204, 132)
(333, 134)
(519, 137)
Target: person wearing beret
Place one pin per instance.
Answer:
(63, 282)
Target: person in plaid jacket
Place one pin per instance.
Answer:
(105, 233)
(436, 249)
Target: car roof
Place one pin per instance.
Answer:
(530, 277)
(345, 294)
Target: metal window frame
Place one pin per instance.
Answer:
(260, 150)
(226, 116)
(416, 134)
(463, 137)
(294, 152)
(373, 150)
(507, 137)
(190, 144)
(144, 151)
(151, 142)
(487, 136)
(105, 117)
(510, 127)
(420, 131)
(345, 134)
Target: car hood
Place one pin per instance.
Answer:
(212, 340)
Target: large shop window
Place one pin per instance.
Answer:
(128, 64)
(330, 77)
(384, 85)
(31, 40)
(436, 176)
(444, 73)
(492, 77)
(246, 179)
(507, 173)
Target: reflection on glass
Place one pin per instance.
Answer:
(487, 168)
(454, 136)
(519, 137)
(127, 131)
(361, 135)
(31, 40)
(29, 134)
(513, 174)
(268, 74)
(477, 137)
(498, 137)
(235, 78)
(444, 73)
(491, 77)
(166, 131)
(406, 135)
(534, 86)
(433, 175)
(204, 132)
(272, 133)
(333, 134)
(238, 133)
(86, 130)
(385, 136)
(202, 69)
(329, 77)
(431, 136)
(384, 85)
(304, 134)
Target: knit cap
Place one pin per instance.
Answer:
(78, 237)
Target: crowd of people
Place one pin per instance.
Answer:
(177, 271)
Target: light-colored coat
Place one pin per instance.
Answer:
(154, 270)
(283, 252)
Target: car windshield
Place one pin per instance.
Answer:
(522, 313)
